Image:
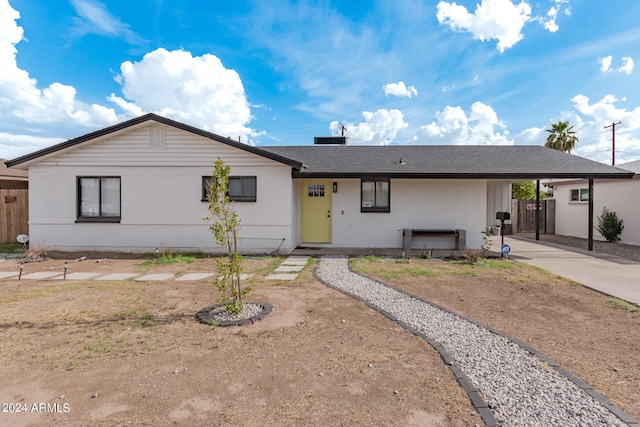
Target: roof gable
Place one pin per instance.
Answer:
(129, 125)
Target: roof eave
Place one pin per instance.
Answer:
(503, 176)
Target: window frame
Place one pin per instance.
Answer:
(100, 218)
(241, 198)
(383, 209)
(580, 193)
(318, 190)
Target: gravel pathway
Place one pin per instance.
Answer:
(519, 388)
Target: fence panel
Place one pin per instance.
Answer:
(14, 214)
(526, 216)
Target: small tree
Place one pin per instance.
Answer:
(225, 227)
(609, 225)
(524, 191)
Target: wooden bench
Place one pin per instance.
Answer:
(459, 235)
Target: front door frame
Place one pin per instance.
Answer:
(314, 212)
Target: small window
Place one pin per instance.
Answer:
(580, 195)
(241, 188)
(98, 199)
(374, 195)
(315, 190)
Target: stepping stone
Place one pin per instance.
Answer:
(118, 276)
(41, 275)
(288, 261)
(282, 276)
(5, 274)
(154, 277)
(76, 276)
(289, 268)
(195, 276)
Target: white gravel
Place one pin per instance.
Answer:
(517, 386)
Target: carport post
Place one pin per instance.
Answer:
(591, 214)
(538, 209)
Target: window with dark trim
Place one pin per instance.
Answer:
(580, 195)
(241, 188)
(375, 195)
(98, 199)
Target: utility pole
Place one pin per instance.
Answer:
(613, 141)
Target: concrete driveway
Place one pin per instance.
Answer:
(605, 273)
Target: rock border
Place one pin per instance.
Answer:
(204, 315)
(474, 395)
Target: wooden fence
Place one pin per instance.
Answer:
(14, 214)
(524, 212)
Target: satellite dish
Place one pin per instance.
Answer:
(22, 238)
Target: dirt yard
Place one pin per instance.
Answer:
(126, 353)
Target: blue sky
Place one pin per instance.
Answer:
(282, 72)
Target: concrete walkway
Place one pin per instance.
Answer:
(288, 270)
(604, 273)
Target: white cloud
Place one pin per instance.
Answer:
(20, 98)
(589, 121)
(399, 89)
(196, 90)
(94, 18)
(493, 19)
(627, 65)
(378, 128)
(550, 23)
(605, 63)
(605, 111)
(531, 136)
(15, 145)
(454, 126)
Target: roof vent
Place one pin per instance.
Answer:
(331, 140)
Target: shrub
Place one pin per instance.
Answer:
(473, 255)
(609, 225)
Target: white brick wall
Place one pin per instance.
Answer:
(161, 194)
(415, 203)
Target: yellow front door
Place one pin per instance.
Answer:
(316, 211)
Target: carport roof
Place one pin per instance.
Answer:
(443, 161)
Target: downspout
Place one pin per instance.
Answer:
(538, 209)
(591, 214)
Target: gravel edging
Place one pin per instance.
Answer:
(507, 381)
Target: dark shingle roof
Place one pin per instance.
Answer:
(443, 161)
(426, 161)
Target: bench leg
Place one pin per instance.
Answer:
(461, 240)
(406, 239)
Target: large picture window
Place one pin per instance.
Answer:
(374, 195)
(241, 188)
(99, 199)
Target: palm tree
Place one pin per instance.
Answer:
(561, 137)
